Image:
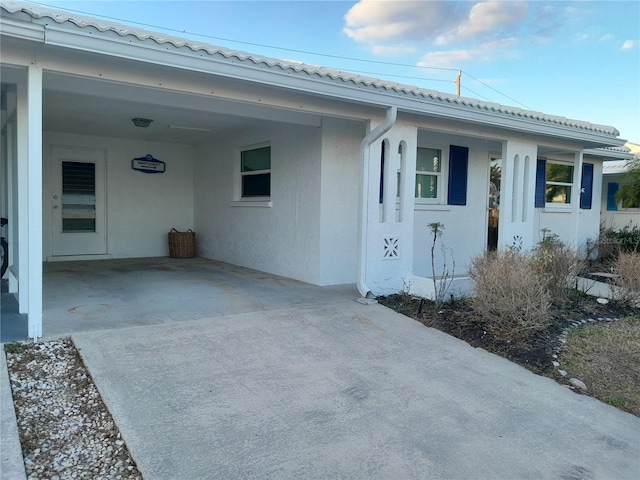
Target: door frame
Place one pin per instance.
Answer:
(492, 238)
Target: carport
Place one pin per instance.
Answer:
(84, 106)
(84, 296)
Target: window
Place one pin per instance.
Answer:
(78, 197)
(428, 173)
(441, 177)
(559, 181)
(255, 173)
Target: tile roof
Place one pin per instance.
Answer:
(613, 167)
(42, 14)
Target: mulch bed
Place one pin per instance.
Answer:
(458, 319)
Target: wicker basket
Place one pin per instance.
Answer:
(182, 244)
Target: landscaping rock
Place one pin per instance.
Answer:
(578, 383)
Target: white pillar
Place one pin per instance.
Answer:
(22, 196)
(34, 219)
(575, 201)
(389, 248)
(517, 192)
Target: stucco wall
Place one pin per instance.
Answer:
(465, 227)
(283, 239)
(563, 223)
(339, 192)
(141, 208)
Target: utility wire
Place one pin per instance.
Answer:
(352, 59)
(497, 91)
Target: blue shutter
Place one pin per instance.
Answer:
(458, 168)
(586, 186)
(612, 189)
(541, 178)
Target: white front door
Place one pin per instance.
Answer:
(78, 201)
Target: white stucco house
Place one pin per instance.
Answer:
(305, 172)
(614, 174)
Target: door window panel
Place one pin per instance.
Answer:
(78, 197)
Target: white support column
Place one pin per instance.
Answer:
(22, 196)
(517, 192)
(34, 165)
(389, 250)
(575, 202)
(391, 162)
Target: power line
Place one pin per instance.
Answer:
(262, 45)
(305, 52)
(498, 91)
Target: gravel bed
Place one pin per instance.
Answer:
(65, 429)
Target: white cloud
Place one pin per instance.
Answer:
(486, 19)
(375, 20)
(484, 52)
(393, 50)
(400, 27)
(629, 44)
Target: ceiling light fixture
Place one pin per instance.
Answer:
(141, 122)
(178, 127)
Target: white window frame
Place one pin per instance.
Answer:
(442, 176)
(238, 199)
(555, 205)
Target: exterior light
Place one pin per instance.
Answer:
(141, 122)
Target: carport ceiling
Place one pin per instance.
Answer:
(88, 107)
(109, 117)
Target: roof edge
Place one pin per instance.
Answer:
(439, 104)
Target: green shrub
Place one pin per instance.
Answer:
(612, 242)
(511, 298)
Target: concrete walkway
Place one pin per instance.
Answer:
(214, 371)
(344, 390)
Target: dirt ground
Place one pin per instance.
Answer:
(459, 319)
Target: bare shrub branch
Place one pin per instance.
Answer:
(511, 298)
(625, 287)
(558, 264)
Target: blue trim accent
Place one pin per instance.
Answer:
(458, 170)
(612, 189)
(586, 186)
(541, 180)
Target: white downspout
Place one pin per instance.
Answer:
(363, 204)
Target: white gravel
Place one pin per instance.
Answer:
(65, 429)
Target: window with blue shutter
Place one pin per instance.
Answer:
(458, 169)
(541, 177)
(612, 189)
(586, 186)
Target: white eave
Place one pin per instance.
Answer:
(59, 28)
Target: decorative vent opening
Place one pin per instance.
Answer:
(391, 247)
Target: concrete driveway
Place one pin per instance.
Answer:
(103, 295)
(285, 380)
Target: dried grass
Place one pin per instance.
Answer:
(606, 357)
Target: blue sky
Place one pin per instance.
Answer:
(578, 59)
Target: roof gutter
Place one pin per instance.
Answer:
(363, 204)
